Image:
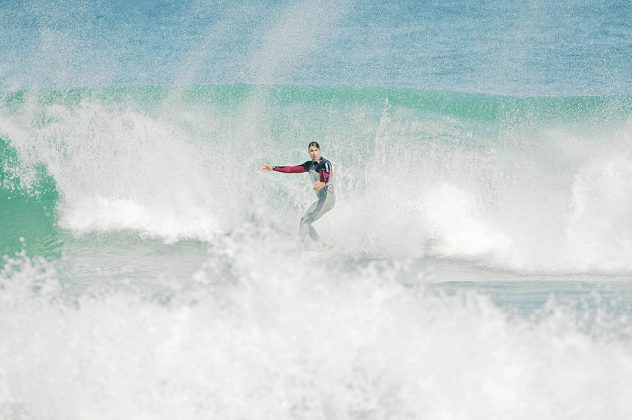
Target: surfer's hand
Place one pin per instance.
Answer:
(318, 186)
(265, 167)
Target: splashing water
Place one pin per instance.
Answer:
(477, 264)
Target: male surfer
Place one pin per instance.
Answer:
(321, 172)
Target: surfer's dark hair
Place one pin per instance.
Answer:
(314, 143)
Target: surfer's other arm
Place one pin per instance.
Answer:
(325, 177)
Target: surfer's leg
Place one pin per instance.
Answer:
(311, 232)
(316, 210)
(306, 227)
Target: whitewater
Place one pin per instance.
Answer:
(477, 264)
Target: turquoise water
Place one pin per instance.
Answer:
(478, 262)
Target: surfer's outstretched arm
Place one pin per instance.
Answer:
(286, 169)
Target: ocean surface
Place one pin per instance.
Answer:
(477, 264)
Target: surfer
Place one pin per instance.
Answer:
(321, 173)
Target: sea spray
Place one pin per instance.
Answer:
(506, 182)
(297, 337)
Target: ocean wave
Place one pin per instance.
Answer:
(529, 184)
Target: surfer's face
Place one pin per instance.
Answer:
(314, 153)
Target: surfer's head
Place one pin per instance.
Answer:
(314, 151)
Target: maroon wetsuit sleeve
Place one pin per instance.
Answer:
(289, 169)
(325, 174)
(325, 177)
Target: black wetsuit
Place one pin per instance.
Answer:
(319, 171)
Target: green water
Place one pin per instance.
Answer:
(365, 126)
(463, 105)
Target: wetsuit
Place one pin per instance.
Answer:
(319, 171)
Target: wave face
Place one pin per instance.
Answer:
(526, 184)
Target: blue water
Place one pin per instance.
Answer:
(523, 48)
(477, 264)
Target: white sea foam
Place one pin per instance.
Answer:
(259, 333)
